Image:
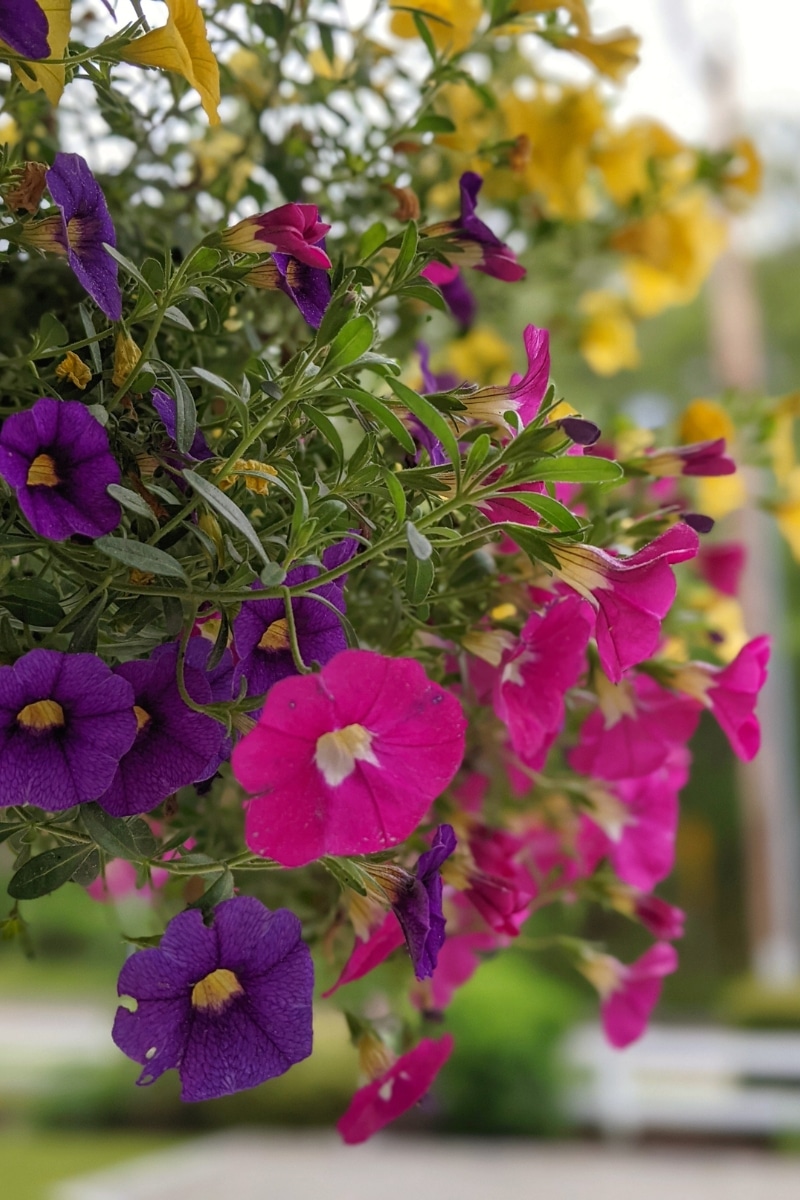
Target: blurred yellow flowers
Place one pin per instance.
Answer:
(182, 46)
(608, 334)
(454, 29)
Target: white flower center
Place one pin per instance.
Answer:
(338, 752)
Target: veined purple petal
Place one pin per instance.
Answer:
(88, 225)
(24, 27)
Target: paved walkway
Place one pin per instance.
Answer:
(308, 1167)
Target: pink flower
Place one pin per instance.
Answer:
(633, 730)
(628, 993)
(699, 458)
(663, 920)
(293, 229)
(499, 886)
(369, 954)
(731, 693)
(548, 660)
(523, 394)
(347, 761)
(722, 565)
(631, 596)
(119, 879)
(395, 1091)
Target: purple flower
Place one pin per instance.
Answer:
(167, 409)
(261, 631)
(457, 296)
(174, 745)
(86, 225)
(24, 27)
(309, 287)
(65, 722)
(57, 459)
(227, 1005)
(419, 907)
(579, 430)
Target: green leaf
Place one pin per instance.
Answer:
(425, 33)
(326, 38)
(433, 123)
(352, 340)
(127, 266)
(216, 381)
(422, 290)
(130, 500)
(408, 251)
(205, 260)
(477, 454)
(273, 575)
(552, 510)
(90, 331)
(84, 631)
(431, 418)
(585, 468)
(221, 889)
(49, 871)
(372, 238)
(326, 428)
(419, 578)
(383, 414)
(534, 545)
(420, 546)
(226, 508)
(140, 556)
(395, 490)
(185, 411)
(87, 870)
(119, 837)
(34, 602)
(51, 334)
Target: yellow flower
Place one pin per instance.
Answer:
(453, 31)
(561, 125)
(74, 369)
(323, 68)
(50, 78)
(248, 71)
(9, 130)
(705, 421)
(613, 54)
(743, 175)
(576, 9)
(787, 513)
(475, 123)
(720, 496)
(252, 472)
(670, 252)
(182, 46)
(126, 356)
(481, 357)
(219, 150)
(639, 158)
(722, 616)
(608, 335)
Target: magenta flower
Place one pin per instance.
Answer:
(227, 1005)
(628, 994)
(370, 952)
(24, 27)
(722, 565)
(57, 458)
(633, 730)
(523, 394)
(293, 229)
(731, 693)
(548, 660)
(349, 760)
(457, 296)
(664, 921)
(474, 241)
(631, 596)
(174, 745)
(65, 723)
(699, 458)
(85, 226)
(395, 1091)
(500, 888)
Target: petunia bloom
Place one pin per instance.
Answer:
(349, 760)
(500, 888)
(699, 458)
(57, 458)
(84, 226)
(457, 296)
(721, 565)
(395, 1091)
(631, 596)
(227, 1005)
(309, 288)
(523, 394)
(49, 76)
(293, 229)
(174, 745)
(731, 693)
(261, 630)
(628, 993)
(474, 244)
(23, 27)
(182, 46)
(65, 723)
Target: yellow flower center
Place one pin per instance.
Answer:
(216, 991)
(339, 751)
(42, 472)
(41, 715)
(142, 718)
(275, 636)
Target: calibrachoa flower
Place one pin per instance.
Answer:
(664, 921)
(631, 595)
(174, 745)
(523, 394)
(80, 231)
(261, 629)
(628, 993)
(474, 244)
(57, 459)
(227, 1005)
(499, 888)
(370, 952)
(547, 661)
(65, 723)
(457, 296)
(293, 229)
(308, 287)
(182, 46)
(721, 565)
(23, 27)
(730, 693)
(700, 458)
(347, 761)
(395, 1091)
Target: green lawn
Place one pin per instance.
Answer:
(33, 1162)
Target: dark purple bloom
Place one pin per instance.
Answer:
(699, 522)
(24, 27)
(261, 631)
(309, 287)
(174, 745)
(227, 1005)
(86, 226)
(579, 430)
(419, 906)
(220, 680)
(65, 722)
(457, 296)
(167, 409)
(419, 431)
(497, 258)
(57, 459)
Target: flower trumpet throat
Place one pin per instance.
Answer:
(41, 715)
(338, 752)
(215, 992)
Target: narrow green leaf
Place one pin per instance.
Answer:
(420, 546)
(372, 238)
(433, 123)
(553, 511)
(395, 490)
(408, 251)
(47, 872)
(585, 468)
(352, 340)
(130, 500)
(226, 508)
(119, 837)
(140, 556)
(425, 33)
(178, 318)
(534, 545)
(384, 414)
(33, 601)
(90, 331)
(422, 290)
(477, 454)
(419, 578)
(84, 631)
(326, 428)
(185, 411)
(216, 381)
(221, 889)
(127, 266)
(431, 418)
(87, 870)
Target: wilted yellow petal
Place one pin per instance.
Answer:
(73, 368)
(182, 46)
(50, 78)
